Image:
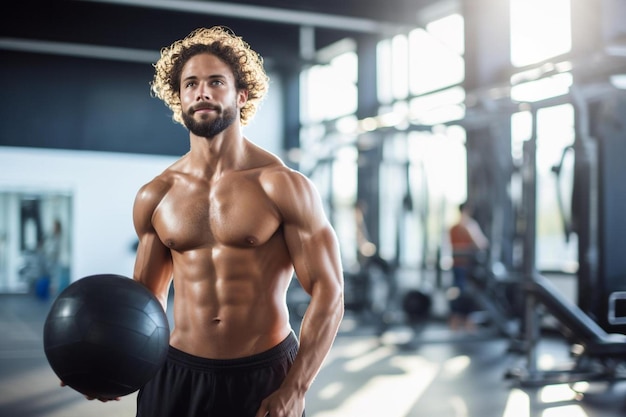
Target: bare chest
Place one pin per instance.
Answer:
(235, 213)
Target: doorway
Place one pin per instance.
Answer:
(35, 241)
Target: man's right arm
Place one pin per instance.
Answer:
(153, 263)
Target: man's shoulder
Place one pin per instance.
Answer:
(157, 186)
(166, 177)
(282, 175)
(275, 175)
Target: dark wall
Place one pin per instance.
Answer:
(62, 102)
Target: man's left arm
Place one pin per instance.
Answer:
(314, 249)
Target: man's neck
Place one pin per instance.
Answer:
(220, 153)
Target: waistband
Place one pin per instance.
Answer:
(284, 349)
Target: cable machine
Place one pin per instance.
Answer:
(597, 353)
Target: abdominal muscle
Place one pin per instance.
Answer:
(230, 311)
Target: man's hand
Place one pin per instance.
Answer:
(281, 403)
(91, 398)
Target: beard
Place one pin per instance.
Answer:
(209, 128)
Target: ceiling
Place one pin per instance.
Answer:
(272, 27)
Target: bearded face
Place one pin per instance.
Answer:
(209, 124)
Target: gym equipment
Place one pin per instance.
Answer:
(106, 335)
(499, 295)
(599, 355)
(596, 354)
(611, 281)
(416, 305)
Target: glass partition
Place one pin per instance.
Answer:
(35, 241)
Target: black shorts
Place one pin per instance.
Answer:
(190, 386)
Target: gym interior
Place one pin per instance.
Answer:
(399, 111)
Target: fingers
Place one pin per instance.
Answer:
(263, 412)
(91, 398)
(101, 399)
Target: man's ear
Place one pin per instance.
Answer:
(242, 98)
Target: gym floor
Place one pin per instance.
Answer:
(405, 372)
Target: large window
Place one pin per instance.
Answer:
(420, 92)
(330, 89)
(419, 83)
(423, 61)
(541, 30)
(328, 156)
(555, 134)
(436, 60)
(420, 76)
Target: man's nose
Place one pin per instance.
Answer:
(204, 92)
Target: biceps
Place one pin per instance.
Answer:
(153, 265)
(316, 258)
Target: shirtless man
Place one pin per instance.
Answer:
(228, 224)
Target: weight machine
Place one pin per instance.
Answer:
(597, 355)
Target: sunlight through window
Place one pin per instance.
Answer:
(456, 365)
(545, 88)
(565, 411)
(436, 55)
(400, 67)
(517, 405)
(330, 91)
(540, 29)
(556, 393)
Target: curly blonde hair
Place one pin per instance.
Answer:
(246, 64)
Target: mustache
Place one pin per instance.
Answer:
(205, 106)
